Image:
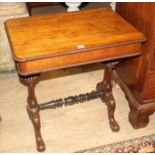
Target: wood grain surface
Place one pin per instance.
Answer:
(77, 59)
(45, 35)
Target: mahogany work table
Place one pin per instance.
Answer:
(55, 41)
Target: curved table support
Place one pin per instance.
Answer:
(33, 111)
(104, 91)
(106, 86)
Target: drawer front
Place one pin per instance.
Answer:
(75, 59)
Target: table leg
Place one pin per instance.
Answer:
(106, 86)
(33, 111)
(138, 117)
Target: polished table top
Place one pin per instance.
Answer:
(38, 36)
(55, 41)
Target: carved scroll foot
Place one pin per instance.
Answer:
(33, 111)
(110, 102)
(138, 119)
(106, 86)
(108, 99)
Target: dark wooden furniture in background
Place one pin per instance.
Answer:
(137, 76)
(31, 5)
(55, 41)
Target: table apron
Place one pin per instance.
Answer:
(76, 59)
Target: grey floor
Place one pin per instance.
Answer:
(61, 8)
